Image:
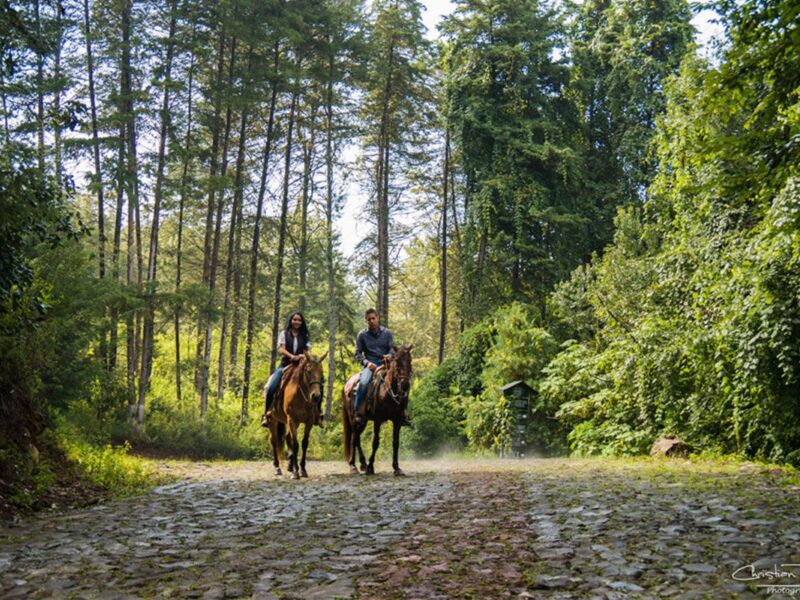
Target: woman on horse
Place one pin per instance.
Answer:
(292, 343)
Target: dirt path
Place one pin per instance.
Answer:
(535, 529)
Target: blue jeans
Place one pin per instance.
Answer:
(363, 385)
(272, 386)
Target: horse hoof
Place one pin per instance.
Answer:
(353, 470)
(278, 472)
(303, 473)
(370, 470)
(295, 475)
(398, 472)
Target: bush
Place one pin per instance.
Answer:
(436, 417)
(111, 468)
(520, 352)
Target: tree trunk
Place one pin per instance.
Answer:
(329, 241)
(116, 250)
(57, 143)
(236, 210)
(382, 185)
(39, 91)
(131, 189)
(216, 130)
(97, 180)
(282, 233)
(384, 258)
(152, 260)
(181, 206)
(6, 130)
(443, 274)
(98, 173)
(379, 218)
(212, 268)
(236, 317)
(254, 248)
(308, 156)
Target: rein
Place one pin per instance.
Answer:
(399, 396)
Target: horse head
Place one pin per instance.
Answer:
(311, 368)
(401, 371)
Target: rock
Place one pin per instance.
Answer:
(670, 446)
(214, 592)
(699, 568)
(551, 582)
(624, 586)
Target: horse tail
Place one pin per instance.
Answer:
(348, 430)
(281, 430)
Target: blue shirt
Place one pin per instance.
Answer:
(370, 347)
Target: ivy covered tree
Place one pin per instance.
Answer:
(623, 52)
(514, 129)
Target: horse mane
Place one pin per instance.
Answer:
(299, 369)
(393, 366)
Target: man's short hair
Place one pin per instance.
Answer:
(370, 311)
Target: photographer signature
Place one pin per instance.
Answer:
(751, 573)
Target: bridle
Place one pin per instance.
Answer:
(402, 394)
(311, 383)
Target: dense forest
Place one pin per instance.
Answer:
(570, 195)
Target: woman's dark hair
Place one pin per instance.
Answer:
(303, 326)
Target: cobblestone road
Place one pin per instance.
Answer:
(463, 529)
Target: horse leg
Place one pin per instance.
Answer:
(277, 443)
(289, 456)
(306, 429)
(396, 449)
(350, 432)
(347, 435)
(293, 467)
(376, 440)
(357, 443)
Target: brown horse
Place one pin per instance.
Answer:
(386, 400)
(300, 403)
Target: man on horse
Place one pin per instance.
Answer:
(292, 343)
(374, 344)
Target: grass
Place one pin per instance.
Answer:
(114, 469)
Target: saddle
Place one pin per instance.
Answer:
(277, 401)
(351, 387)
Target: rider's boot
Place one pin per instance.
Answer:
(361, 413)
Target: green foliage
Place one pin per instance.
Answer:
(435, 412)
(697, 300)
(460, 401)
(34, 214)
(111, 468)
(520, 352)
(624, 51)
(25, 481)
(514, 131)
(439, 398)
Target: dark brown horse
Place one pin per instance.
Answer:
(300, 403)
(386, 400)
